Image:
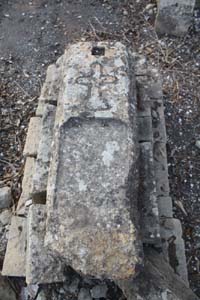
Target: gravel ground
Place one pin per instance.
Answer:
(33, 34)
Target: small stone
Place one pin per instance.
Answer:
(99, 291)
(5, 217)
(84, 294)
(197, 144)
(5, 197)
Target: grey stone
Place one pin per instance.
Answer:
(50, 89)
(158, 121)
(84, 294)
(99, 291)
(161, 169)
(147, 200)
(149, 85)
(157, 281)
(27, 184)
(41, 265)
(173, 246)
(144, 129)
(174, 16)
(14, 262)
(91, 197)
(6, 291)
(165, 206)
(41, 169)
(5, 217)
(5, 197)
(33, 137)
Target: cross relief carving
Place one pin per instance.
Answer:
(98, 84)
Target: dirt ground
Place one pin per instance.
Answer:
(33, 34)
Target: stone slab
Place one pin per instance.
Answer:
(6, 291)
(33, 137)
(173, 246)
(174, 16)
(27, 183)
(15, 258)
(42, 266)
(147, 200)
(91, 195)
(41, 169)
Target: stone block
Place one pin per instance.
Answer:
(15, 258)
(173, 246)
(147, 200)
(158, 121)
(41, 169)
(42, 266)
(33, 137)
(149, 85)
(161, 168)
(5, 197)
(144, 125)
(50, 89)
(174, 16)
(91, 194)
(27, 183)
(165, 207)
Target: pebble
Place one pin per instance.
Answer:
(99, 291)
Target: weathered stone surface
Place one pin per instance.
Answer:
(14, 262)
(174, 16)
(27, 184)
(6, 291)
(5, 197)
(161, 169)
(5, 217)
(33, 137)
(173, 246)
(144, 129)
(99, 291)
(50, 89)
(41, 169)
(165, 206)
(41, 265)
(157, 281)
(147, 201)
(91, 203)
(158, 121)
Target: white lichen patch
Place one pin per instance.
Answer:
(82, 186)
(108, 153)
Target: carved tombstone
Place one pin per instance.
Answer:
(93, 179)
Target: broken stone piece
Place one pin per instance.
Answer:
(33, 137)
(14, 262)
(41, 169)
(5, 197)
(91, 194)
(6, 290)
(41, 265)
(174, 16)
